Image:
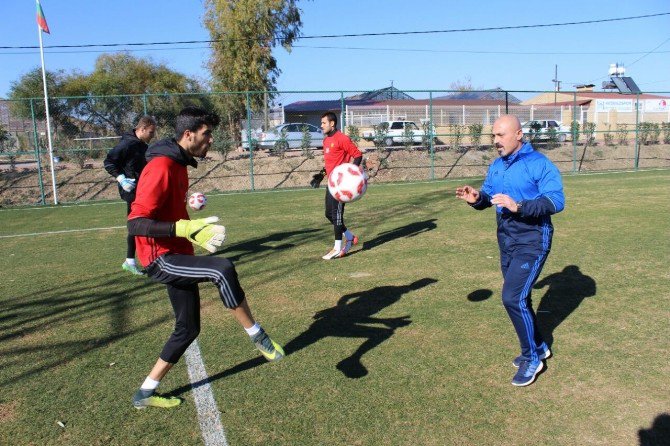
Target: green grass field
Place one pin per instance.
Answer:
(420, 300)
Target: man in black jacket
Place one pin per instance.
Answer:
(125, 163)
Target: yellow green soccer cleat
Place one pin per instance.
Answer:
(133, 269)
(149, 398)
(269, 348)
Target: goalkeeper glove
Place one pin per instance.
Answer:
(127, 184)
(202, 232)
(317, 178)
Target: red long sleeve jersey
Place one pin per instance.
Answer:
(338, 149)
(161, 195)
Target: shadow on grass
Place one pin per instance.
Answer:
(658, 434)
(347, 319)
(409, 230)
(66, 312)
(265, 244)
(565, 292)
(479, 295)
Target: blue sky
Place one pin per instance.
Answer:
(521, 59)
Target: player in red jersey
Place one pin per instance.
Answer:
(165, 234)
(338, 149)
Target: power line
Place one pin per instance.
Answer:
(332, 36)
(636, 60)
(418, 50)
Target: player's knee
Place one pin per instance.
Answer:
(510, 300)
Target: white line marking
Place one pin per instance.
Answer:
(62, 232)
(208, 413)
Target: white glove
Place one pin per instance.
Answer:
(127, 184)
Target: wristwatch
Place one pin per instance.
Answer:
(519, 206)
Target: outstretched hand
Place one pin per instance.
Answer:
(202, 232)
(467, 193)
(504, 201)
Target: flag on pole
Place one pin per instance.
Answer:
(41, 20)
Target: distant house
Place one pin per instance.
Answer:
(605, 108)
(496, 94)
(311, 111)
(387, 104)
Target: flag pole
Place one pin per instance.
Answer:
(46, 105)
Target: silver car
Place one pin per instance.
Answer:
(539, 129)
(290, 135)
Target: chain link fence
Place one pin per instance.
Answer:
(271, 140)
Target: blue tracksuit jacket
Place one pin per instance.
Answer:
(531, 178)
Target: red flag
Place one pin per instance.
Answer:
(41, 20)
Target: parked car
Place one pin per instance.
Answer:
(539, 129)
(396, 132)
(292, 133)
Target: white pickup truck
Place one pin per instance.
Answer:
(396, 132)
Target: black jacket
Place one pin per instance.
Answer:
(128, 158)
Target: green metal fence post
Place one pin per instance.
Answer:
(637, 128)
(506, 103)
(249, 141)
(431, 136)
(144, 103)
(342, 113)
(574, 132)
(37, 153)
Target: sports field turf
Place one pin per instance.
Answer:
(419, 299)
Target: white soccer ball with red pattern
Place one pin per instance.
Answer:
(197, 201)
(347, 183)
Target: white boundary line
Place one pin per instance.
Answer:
(209, 415)
(32, 234)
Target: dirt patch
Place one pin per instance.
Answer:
(214, 174)
(8, 411)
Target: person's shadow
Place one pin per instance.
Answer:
(351, 317)
(347, 319)
(658, 434)
(565, 292)
(409, 230)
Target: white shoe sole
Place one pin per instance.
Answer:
(532, 380)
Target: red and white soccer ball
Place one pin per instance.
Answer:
(197, 201)
(347, 183)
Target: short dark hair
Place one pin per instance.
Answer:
(146, 121)
(330, 116)
(192, 118)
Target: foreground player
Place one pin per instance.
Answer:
(164, 235)
(337, 149)
(125, 163)
(526, 189)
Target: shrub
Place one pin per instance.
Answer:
(280, 146)
(552, 138)
(455, 136)
(622, 134)
(306, 143)
(590, 133)
(665, 127)
(354, 133)
(224, 143)
(408, 138)
(476, 134)
(608, 136)
(428, 132)
(574, 131)
(379, 139)
(644, 133)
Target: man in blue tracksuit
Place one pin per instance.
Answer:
(526, 189)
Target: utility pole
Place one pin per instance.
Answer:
(557, 83)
